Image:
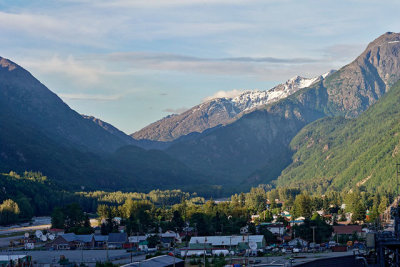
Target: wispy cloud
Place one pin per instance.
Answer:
(243, 66)
(69, 66)
(162, 57)
(172, 3)
(94, 97)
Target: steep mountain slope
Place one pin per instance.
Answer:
(341, 154)
(356, 86)
(39, 132)
(143, 143)
(254, 146)
(219, 111)
(24, 98)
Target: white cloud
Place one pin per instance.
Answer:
(96, 97)
(227, 94)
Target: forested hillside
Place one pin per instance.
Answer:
(338, 154)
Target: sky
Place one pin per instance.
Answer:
(132, 62)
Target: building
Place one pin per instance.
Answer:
(72, 241)
(198, 244)
(117, 240)
(100, 241)
(275, 228)
(140, 242)
(169, 238)
(160, 261)
(348, 230)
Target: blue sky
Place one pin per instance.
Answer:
(132, 62)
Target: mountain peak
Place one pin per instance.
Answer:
(5, 63)
(385, 39)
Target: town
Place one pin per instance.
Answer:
(254, 228)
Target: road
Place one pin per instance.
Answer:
(38, 223)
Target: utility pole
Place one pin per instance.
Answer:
(205, 240)
(230, 248)
(313, 228)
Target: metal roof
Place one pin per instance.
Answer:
(159, 261)
(117, 238)
(137, 239)
(101, 238)
(71, 237)
(226, 240)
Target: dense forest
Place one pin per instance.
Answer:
(32, 194)
(335, 154)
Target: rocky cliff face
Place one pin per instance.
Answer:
(220, 111)
(358, 85)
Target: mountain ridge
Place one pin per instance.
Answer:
(219, 111)
(231, 148)
(39, 132)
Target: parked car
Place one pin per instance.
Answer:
(296, 250)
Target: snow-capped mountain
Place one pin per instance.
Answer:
(252, 99)
(220, 110)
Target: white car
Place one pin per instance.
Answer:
(296, 250)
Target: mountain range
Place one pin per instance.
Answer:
(219, 111)
(254, 147)
(246, 140)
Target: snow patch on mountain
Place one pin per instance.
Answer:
(250, 99)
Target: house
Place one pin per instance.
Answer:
(169, 238)
(100, 241)
(139, 241)
(348, 230)
(72, 241)
(275, 228)
(117, 240)
(298, 243)
(298, 221)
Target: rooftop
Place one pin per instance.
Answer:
(225, 240)
(347, 229)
